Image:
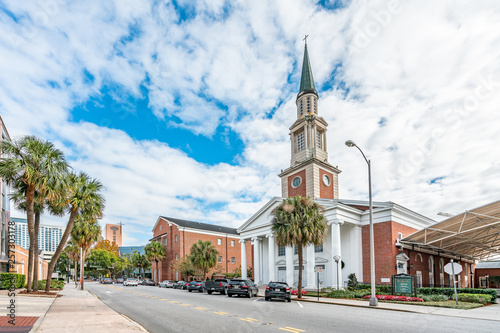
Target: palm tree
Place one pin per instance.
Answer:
(85, 232)
(203, 255)
(299, 221)
(36, 164)
(81, 196)
(155, 252)
(140, 261)
(72, 250)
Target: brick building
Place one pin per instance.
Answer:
(21, 263)
(177, 236)
(487, 274)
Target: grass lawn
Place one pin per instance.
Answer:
(446, 304)
(315, 294)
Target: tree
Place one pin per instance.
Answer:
(184, 266)
(155, 252)
(299, 221)
(81, 196)
(36, 164)
(72, 250)
(203, 255)
(107, 245)
(85, 232)
(103, 259)
(140, 261)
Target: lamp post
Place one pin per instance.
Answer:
(487, 276)
(373, 298)
(337, 260)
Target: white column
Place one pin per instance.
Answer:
(289, 265)
(256, 260)
(310, 262)
(272, 266)
(243, 259)
(356, 251)
(335, 233)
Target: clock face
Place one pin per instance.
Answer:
(296, 182)
(326, 180)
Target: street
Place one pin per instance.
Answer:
(168, 310)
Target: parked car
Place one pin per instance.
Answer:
(166, 284)
(242, 287)
(148, 282)
(278, 290)
(217, 285)
(107, 281)
(181, 285)
(131, 282)
(119, 280)
(196, 285)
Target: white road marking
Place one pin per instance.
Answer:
(300, 304)
(255, 300)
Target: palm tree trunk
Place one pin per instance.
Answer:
(35, 258)
(301, 262)
(76, 270)
(82, 269)
(157, 274)
(60, 248)
(30, 196)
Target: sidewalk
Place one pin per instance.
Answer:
(490, 312)
(79, 311)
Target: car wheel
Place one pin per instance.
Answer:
(209, 292)
(229, 295)
(289, 300)
(190, 290)
(249, 294)
(267, 299)
(256, 294)
(201, 290)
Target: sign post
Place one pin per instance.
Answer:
(453, 268)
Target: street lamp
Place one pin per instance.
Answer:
(373, 298)
(337, 259)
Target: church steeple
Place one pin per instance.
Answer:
(306, 80)
(309, 173)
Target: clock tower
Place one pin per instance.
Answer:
(309, 173)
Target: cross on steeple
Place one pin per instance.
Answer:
(305, 39)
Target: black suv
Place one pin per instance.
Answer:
(242, 287)
(278, 290)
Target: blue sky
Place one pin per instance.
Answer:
(182, 108)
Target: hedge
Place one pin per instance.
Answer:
(348, 293)
(451, 294)
(7, 278)
(379, 289)
(475, 298)
(57, 285)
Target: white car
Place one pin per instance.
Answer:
(166, 284)
(130, 282)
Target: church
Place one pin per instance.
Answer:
(311, 174)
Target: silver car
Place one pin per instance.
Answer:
(166, 284)
(130, 282)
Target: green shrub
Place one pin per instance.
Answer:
(352, 283)
(475, 298)
(6, 280)
(57, 285)
(434, 298)
(348, 293)
(450, 293)
(381, 289)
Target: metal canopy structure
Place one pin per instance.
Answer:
(474, 234)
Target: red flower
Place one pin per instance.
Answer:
(395, 298)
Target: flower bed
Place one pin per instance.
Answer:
(395, 298)
(296, 292)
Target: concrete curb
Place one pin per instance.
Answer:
(41, 318)
(121, 314)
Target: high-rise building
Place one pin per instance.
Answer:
(49, 236)
(5, 211)
(114, 233)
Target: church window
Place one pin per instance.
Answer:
(318, 139)
(281, 251)
(296, 182)
(164, 240)
(318, 248)
(301, 107)
(315, 105)
(308, 105)
(300, 142)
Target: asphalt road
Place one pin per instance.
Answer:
(167, 310)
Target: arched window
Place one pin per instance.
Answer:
(431, 271)
(441, 272)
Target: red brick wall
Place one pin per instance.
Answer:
(299, 190)
(183, 245)
(325, 192)
(481, 272)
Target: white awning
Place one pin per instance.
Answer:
(474, 234)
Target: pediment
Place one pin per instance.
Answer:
(296, 261)
(402, 256)
(281, 262)
(320, 260)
